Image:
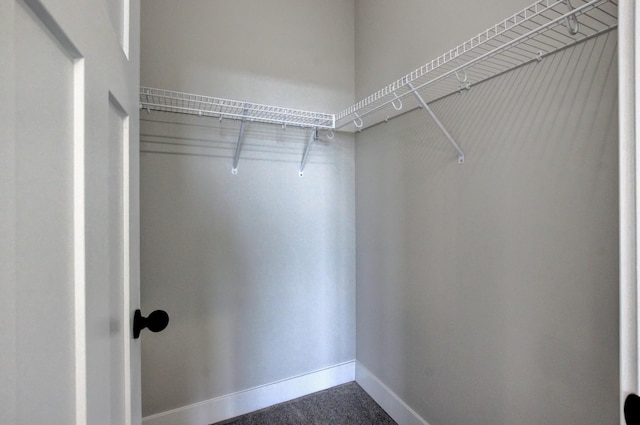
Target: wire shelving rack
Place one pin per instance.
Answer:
(153, 99)
(545, 27)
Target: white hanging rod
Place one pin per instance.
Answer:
(153, 99)
(542, 28)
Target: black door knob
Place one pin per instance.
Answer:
(155, 322)
(632, 409)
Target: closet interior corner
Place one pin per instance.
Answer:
(444, 233)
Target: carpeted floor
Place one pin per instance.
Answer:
(346, 404)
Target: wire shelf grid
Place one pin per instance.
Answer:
(544, 27)
(193, 104)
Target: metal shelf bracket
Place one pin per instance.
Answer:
(236, 156)
(307, 150)
(437, 121)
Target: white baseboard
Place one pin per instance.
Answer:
(232, 405)
(387, 399)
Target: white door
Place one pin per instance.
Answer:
(69, 76)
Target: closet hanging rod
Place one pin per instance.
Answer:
(529, 34)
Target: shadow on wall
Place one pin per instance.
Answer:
(495, 282)
(168, 133)
(256, 269)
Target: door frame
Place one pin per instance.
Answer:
(629, 189)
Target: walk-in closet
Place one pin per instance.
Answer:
(434, 199)
(450, 241)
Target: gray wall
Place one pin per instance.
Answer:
(297, 54)
(487, 293)
(257, 270)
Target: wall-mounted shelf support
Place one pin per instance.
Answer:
(236, 156)
(424, 106)
(307, 150)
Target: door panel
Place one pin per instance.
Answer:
(118, 11)
(44, 221)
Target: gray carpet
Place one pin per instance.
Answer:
(346, 404)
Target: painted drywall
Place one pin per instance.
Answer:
(297, 54)
(487, 293)
(256, 270)
(393, 39)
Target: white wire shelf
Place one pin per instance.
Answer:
(545, 27)
(153, 99)
(542, 28)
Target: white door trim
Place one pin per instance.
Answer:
(629, 185)
(79, 242)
